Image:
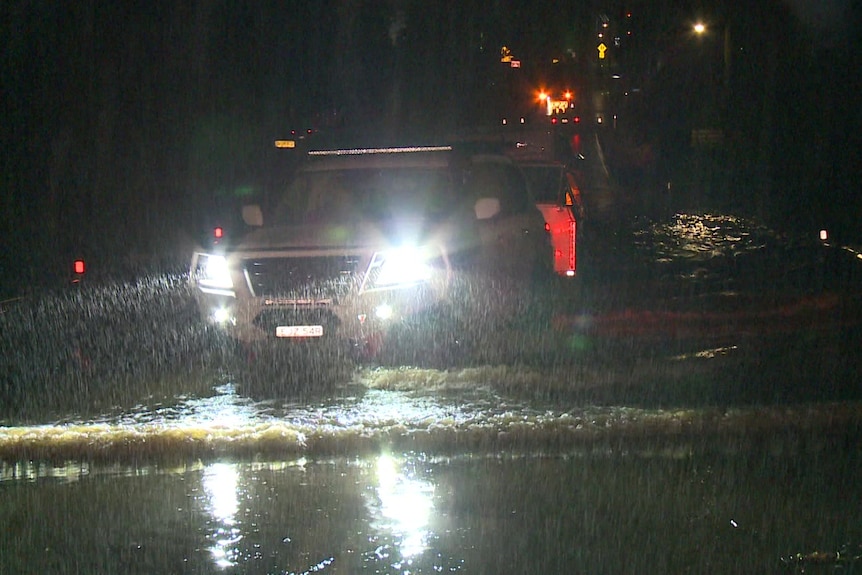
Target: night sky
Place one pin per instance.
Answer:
(131, 119)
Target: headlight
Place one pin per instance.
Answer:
(399, 268)
(213, 275)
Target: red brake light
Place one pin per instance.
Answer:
(79, 267)
(547, 227)
(218, 232)
(577, 119)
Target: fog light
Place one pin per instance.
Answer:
(384, 311)
(222, 315)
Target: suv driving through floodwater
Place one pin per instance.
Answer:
(367, 246)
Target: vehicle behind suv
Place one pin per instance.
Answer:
(367, 244)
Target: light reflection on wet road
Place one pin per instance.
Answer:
(759, 512)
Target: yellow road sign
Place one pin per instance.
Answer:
(602, 49)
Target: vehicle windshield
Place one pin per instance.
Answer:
(324, 196)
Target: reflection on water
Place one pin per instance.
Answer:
(220, 484)
(703, 236)
(752, 512)
(403, 506)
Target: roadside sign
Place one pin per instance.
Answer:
(602, 49)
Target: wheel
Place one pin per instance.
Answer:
(436, 339)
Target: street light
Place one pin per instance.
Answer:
(701, 29)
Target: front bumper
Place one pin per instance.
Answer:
(358, 321)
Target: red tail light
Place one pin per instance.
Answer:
(79, 267)
(218, 232)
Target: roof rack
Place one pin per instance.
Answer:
(363, 151)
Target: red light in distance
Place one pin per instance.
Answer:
(79, 267)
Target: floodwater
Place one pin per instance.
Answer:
(705, 419)
(404, 480)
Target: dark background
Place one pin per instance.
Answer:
(130, 127)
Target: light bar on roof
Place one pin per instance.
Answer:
(361, 151)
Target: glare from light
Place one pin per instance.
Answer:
(405, 506)
(222, 315)
(699, 28)
(570, 273)
(824, 235)
(220, 483)
(384, 312)
(404, 266)
(216, 273)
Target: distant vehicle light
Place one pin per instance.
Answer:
(286, 143)
(218, 232)
(824, 235)
(505, 121)
(79, 267)
(577, 119)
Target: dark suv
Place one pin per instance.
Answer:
(367, 241)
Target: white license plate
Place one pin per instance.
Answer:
(299, 331)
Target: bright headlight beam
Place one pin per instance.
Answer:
(216, 273)
(402, 266)
(384, 311)
(213, 275)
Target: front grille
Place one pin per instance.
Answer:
(309, 278)
(269, 319)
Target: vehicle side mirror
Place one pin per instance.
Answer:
(252, 215)
(487, 208)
